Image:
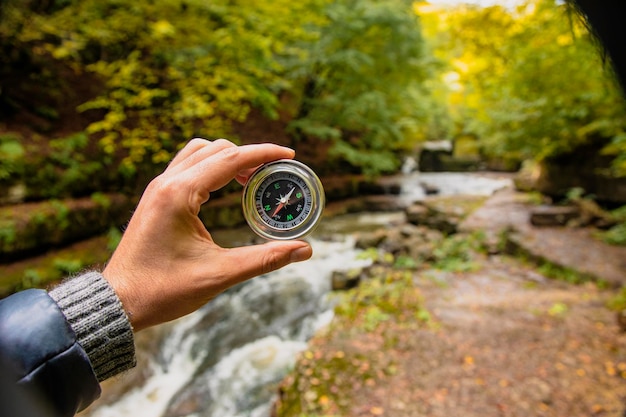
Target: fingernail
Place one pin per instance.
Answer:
(301, 254)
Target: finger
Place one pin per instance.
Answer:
(217, 170)
(243, 176)
(191, 147)
(252, 261)
(197, 150)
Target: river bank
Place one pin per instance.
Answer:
(482, 334)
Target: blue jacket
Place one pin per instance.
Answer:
(40, 352)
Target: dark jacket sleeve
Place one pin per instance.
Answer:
(56, 347)
(48, 364)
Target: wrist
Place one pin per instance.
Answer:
(102, 328)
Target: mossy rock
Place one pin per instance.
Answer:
(31, 228)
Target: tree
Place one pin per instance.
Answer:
(362, 82)
(534, 81)
(171, 69)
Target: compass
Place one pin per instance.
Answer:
(283, 200)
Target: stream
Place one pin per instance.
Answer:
(226, 359)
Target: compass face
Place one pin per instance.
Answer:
(283, 200)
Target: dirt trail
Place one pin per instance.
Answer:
(514, 344)
(507, 341)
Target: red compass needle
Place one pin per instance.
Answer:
(282, 202)
(279, 208)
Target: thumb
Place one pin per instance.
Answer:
(261, 259)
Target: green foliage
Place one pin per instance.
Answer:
(558, 310)
(531, 82)
(392, 296)
(171, 70)
(61, 214)
(363, 82)
(617, 147)
(618, 301)
(114, 236)
(616, 235)
(405, 262)
(12, 156)
(526, 82)
(68, 266)
(69, 169)
(377, 256)
(58, 167)
(561, 273)
(354, 71)
(8, 234)
(101, 199)
(456, 253)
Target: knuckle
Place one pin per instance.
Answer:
(271, 262)
(164, 188)
(223, 143)
(230, 153)
(198, 142)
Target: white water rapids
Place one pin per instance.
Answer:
(226, 359)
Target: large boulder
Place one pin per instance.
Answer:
(585, 167)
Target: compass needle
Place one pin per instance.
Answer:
(280, 206)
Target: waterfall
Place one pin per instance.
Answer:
(227, 358)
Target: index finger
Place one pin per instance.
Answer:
(220, 168)
(243, 176)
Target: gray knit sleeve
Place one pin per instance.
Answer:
(102, 328)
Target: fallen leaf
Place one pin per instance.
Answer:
(377, 411)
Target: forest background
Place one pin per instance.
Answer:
(96, 96)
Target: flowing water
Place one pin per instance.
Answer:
(226, 359)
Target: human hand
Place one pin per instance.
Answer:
(167, 264)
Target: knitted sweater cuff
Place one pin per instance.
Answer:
(102, 328)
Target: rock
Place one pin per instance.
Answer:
(408, 230)
(384, 203)
(421, 251)
(429, 189)
(344, 280)
(432, 155)
(417, 214)
(527, 176)
(591, 214)
(380, 186)
(371, 239)
(553, 215)
(421, 214)
(585, 167)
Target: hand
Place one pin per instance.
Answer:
(167, 264)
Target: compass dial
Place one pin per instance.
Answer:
(283, 200)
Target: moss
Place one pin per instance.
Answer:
(41, 271)
(35, 227)
(545, 267)
(618, 301)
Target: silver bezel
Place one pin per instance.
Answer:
(254, 219)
